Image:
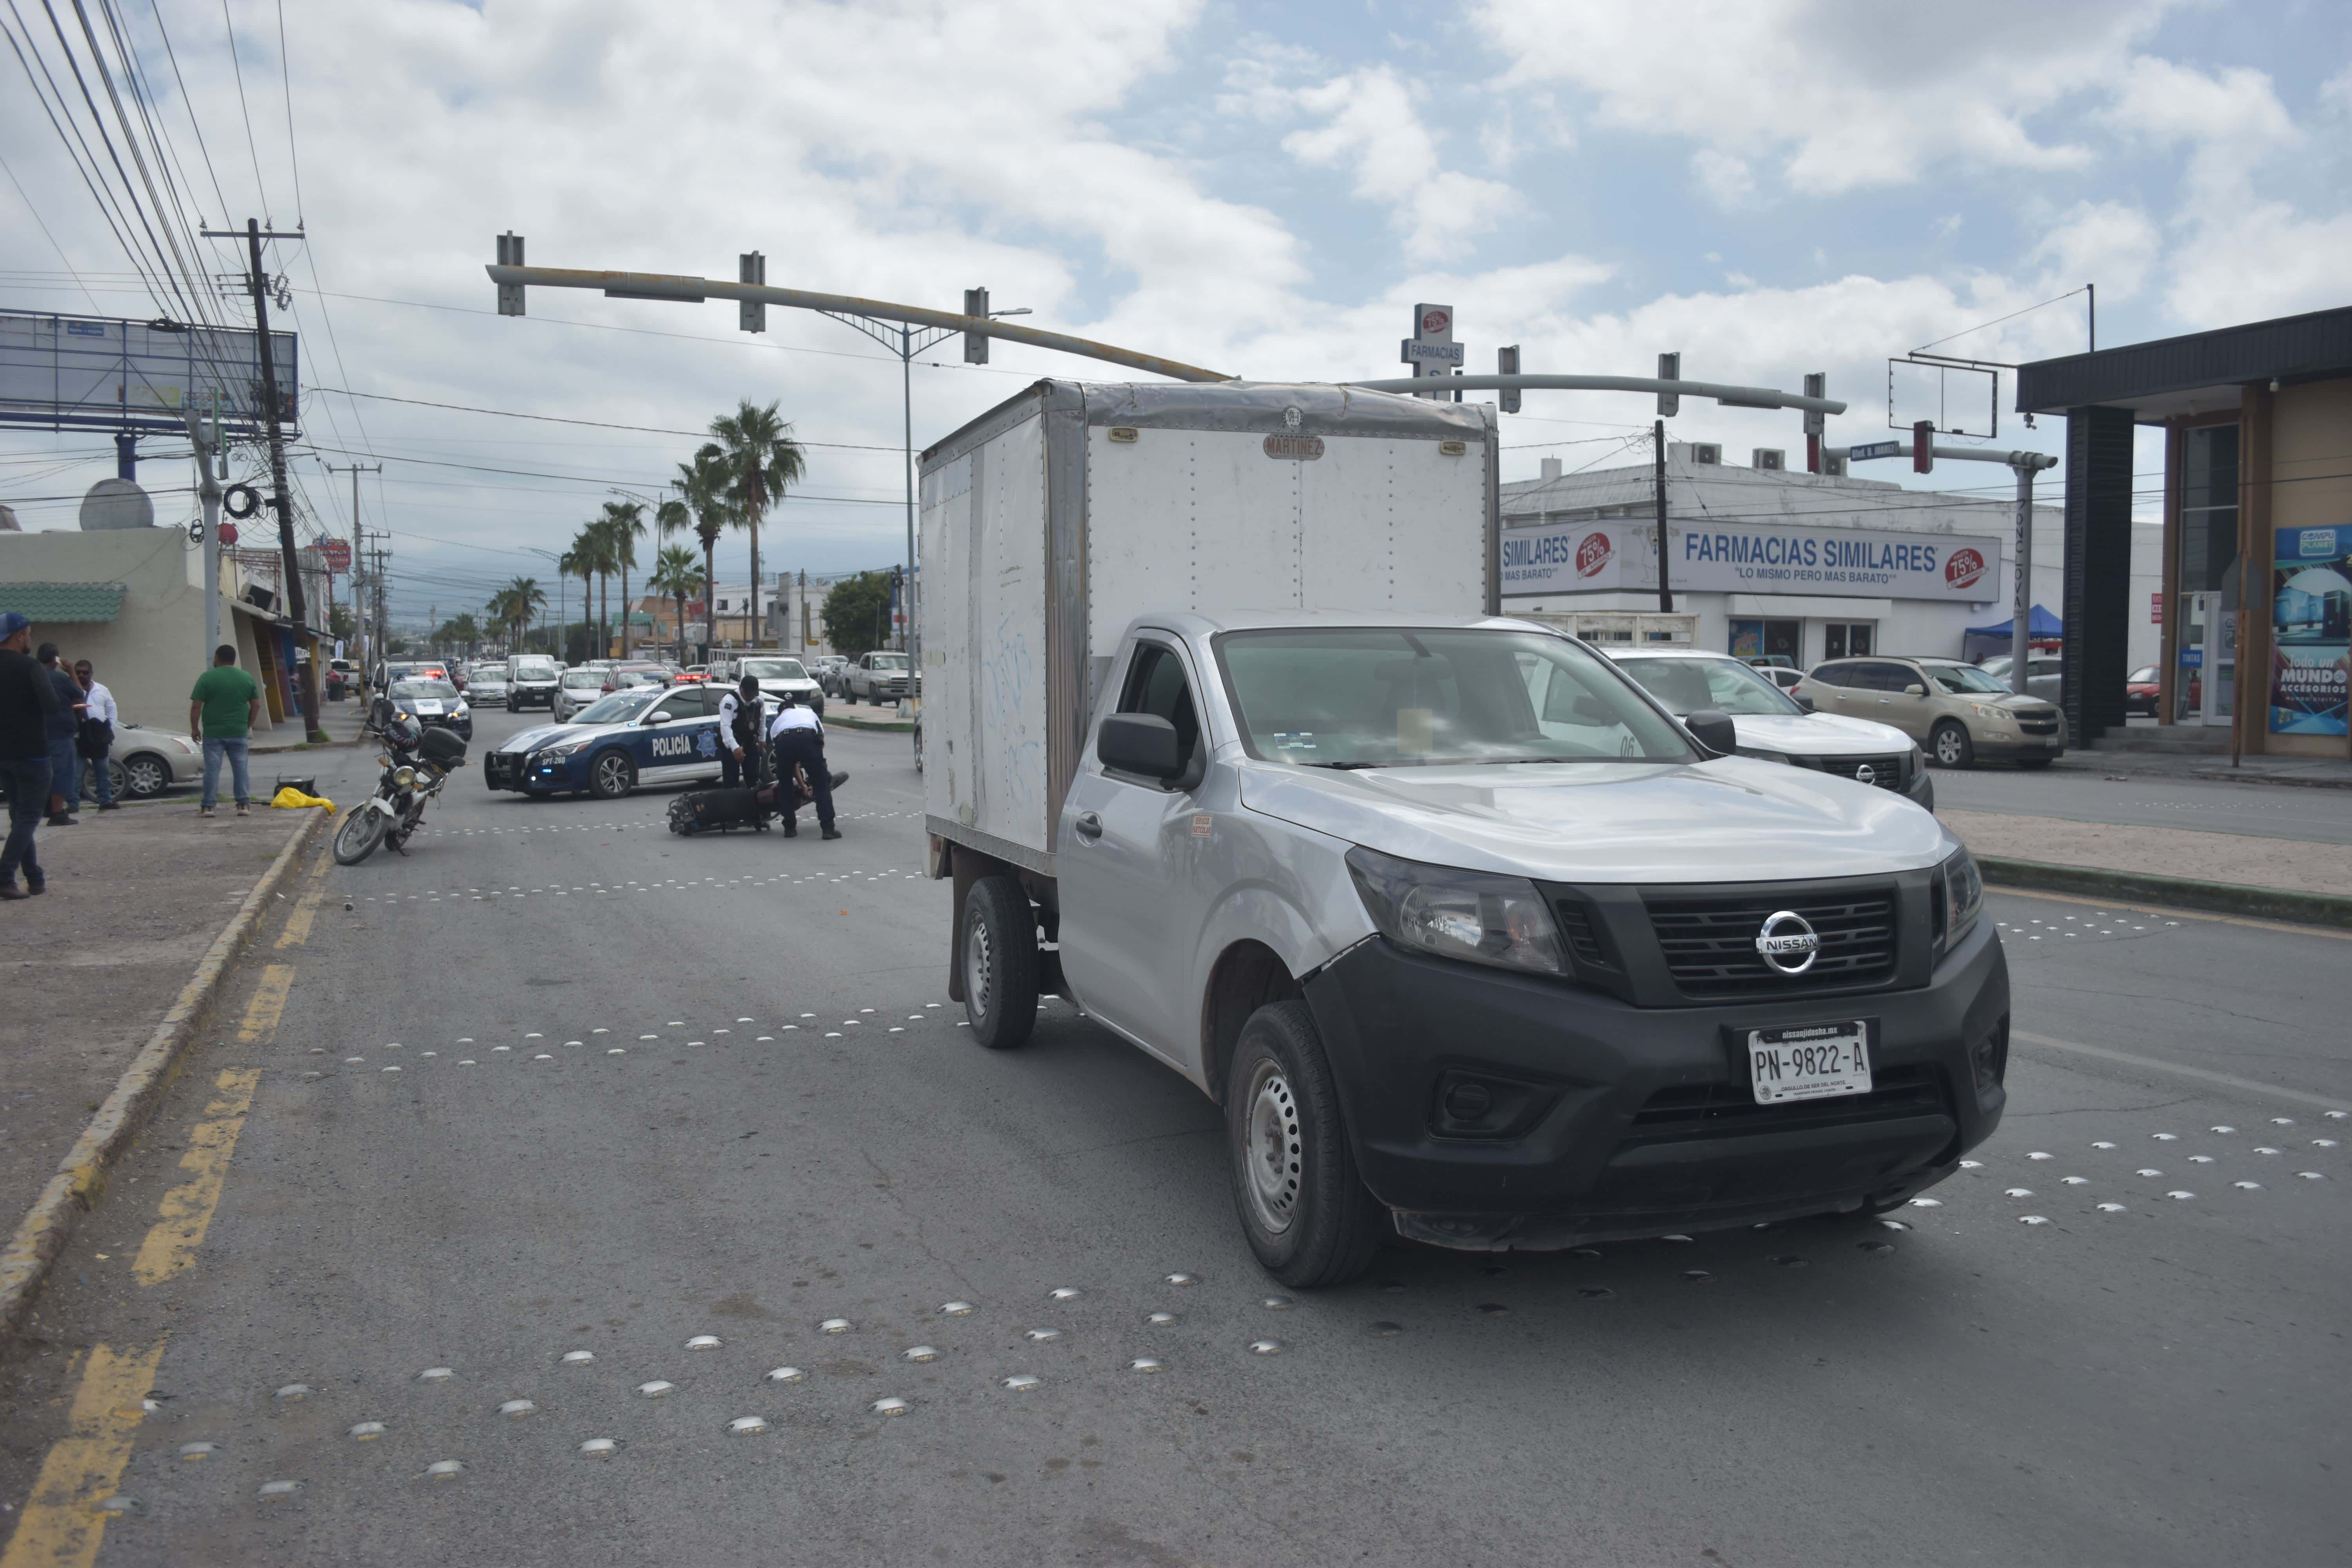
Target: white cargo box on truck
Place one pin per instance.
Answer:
(1052, 521)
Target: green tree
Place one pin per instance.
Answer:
(338, 622)
(595, 554)
(698, 500)
(623, 522)
(514, 605)
(857, 613)
(678, 575)
(757, 459)
(580, 562)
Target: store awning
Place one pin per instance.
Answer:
(2040, 625)
(44, 603)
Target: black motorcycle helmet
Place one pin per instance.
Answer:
(404, 734)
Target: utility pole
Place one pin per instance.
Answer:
(210, 470)
(282, 500)
(1658, 484)
(359, 611)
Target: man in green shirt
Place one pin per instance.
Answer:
(221, 712)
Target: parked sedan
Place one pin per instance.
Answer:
(644, 735)
(2140, 690)
(2045, 675)
(577, 690)
(1773, 726)
(145, 763)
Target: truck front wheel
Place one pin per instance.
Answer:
(1304, 1207)
(999, 962)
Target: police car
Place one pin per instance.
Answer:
(648, 734)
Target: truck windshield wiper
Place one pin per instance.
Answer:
(1346, 767)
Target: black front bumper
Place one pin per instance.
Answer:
(1611, 1120)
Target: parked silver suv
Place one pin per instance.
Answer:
(1956, 710)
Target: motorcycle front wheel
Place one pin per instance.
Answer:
(356, 839)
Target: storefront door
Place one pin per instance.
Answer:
(2205, 676)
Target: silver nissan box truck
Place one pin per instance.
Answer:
(1472, 942)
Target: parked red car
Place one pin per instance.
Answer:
(2140, 691)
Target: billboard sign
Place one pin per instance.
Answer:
(1431, 351)
(2311, 629)
(101, 372)
(1745, 558)
(337, 552)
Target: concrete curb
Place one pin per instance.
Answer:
(2177, 892)
(887, 726)
(81, 1179)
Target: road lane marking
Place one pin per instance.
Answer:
(187, 1211)
(2170, 912)
(268, 1003)
(62, 1524)
(306, 909)
(2228, 1081)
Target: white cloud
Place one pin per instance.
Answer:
(1372, 127)
(1726, 180)
(1849, 94)
(2108, 243)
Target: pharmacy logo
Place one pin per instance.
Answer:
(1591, 554)
(1964, 568)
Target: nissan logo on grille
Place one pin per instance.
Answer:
(1787, 943)
(1865, 773)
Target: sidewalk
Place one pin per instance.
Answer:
(2324, 772)
(2271, 879)
(342, 721)
(136, 897)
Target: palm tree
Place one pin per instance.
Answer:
(699, 501)
(757, 457)
(522, 599)
(623, 522)
(572, 563)
(678, 575)
(594, 546)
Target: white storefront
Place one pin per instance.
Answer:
(1805, 566)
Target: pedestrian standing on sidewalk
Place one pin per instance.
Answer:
(26, 700)
(65, 728)
(97, 734)
(222, 710)
(798, 736)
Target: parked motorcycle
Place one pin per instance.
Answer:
(421, 761)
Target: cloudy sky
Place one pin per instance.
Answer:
(1770, 187)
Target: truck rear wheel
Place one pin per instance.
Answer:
(1302, 1204)
(999, 962)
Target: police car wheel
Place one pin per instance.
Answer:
(611, 775)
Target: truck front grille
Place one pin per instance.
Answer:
(1728, 1110)
(1886, 772)
(1709, 943)
(2038, 724)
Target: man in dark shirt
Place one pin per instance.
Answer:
(65, 728)
(27, 702)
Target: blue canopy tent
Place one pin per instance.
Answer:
(1980, 643)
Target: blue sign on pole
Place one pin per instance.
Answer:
(1874, 449)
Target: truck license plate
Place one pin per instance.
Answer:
(1810, 1061)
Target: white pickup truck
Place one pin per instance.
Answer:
(1472, 940)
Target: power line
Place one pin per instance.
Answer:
(1997, 320)
(575, 479)
(591, 423)
(27, 198)
(259, 186)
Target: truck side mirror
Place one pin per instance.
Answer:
(1139, 743)
(1803, 701)
(1914, 689)
(1713, 728)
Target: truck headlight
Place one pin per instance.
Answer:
(1471, 915)
(1960, 899)
(1987, 711)
(1914, 765)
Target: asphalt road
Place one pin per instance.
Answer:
(2263, 811)
(651, 1088)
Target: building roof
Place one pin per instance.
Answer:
(47, 601)
(2195, 374)
(1731, 493)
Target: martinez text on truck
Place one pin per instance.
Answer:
(1471, 939)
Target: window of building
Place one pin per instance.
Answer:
(2209, 510)
(1843, 639)
(1761, 638)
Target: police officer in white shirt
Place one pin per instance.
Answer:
(742, 735)
(798, 737)
(93, 745)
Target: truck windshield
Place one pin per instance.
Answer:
(1368, 698)
(1686, 685)
(889, 661)
(774, 669)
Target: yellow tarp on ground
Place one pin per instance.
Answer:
(293, 799)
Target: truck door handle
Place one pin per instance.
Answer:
(1088, 824)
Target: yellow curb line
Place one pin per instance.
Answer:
(81, 1179)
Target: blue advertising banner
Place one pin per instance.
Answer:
(2311, 630)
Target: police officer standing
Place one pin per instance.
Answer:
(741, 735)
(798, 736)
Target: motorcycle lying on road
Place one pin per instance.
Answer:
(421, 760)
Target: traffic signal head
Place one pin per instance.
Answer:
(1506, 363)
(1923, 447)
(1670, 368)
(975, 344)
(752, 267)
